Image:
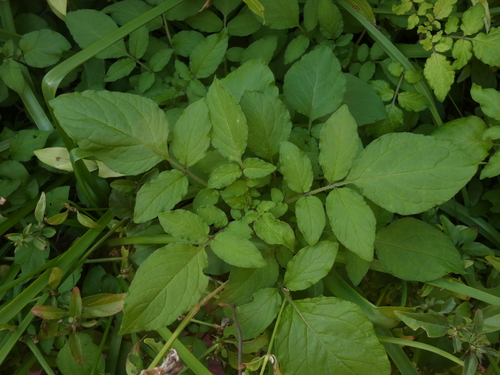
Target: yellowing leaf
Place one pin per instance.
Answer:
(439, 74)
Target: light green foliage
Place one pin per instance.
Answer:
(138, 42)
(462, 52)
(224, 176)
(408, 242)
(43, 48)
(256, 168)
(487, 47)
(443, 8)
(296, 48)
(412, 101)
(208, 54)
(489, 100)
(119, 69)
(439, 74)
(184, 225)
(237, 251)
(261, 49)
(295, 167)
(274, 231)
(472, 20)
(435, 325)
(311, 218)
(330, 19)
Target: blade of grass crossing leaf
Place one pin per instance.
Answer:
(465, 289)
(397, 354)
(396, 55)
(39, 356)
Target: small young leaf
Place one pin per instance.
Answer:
(160, 59)
(472, 20)
(262, 49)
(86, 221)
(412, 101)
(229, 125)
(339, 144)
(119, 69)
(443, 8)
(243, 24)
(43, 48)
(439, 74)
(224, 176)
(281, 14)
(407, 249)
(12, 75)
(296, 48)
(256, 168)
(138, 42)
(208, 55)
(315, 85)
(311, 17)
(356, 267)
(160, 195)
(237, 251)
(331, 23)
(295, 167)
(205, 21)
(274, 231)
(311, 218)
(184, 225)
(102, 305)
(50, 312)
(310, 265)
(491, 169)
(168, 283)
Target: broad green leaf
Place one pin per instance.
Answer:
(311, 218)
(256, 168)
(268, 122)
(185, 41)
(138, 42)
(146, 80)
(191, 135)
(436, 325)
(295, 167)
(160, 59)
(229, 125)
(184, 225)
(352, 221)
(413, 250)
(127, 10)
(29, 257)
(365, 105)
(296, 48)
(412, 101)
(472, 20)
(439, 74)
(310, 12)
(327, 335)
(262, 49)
(310, 265)
(256, 316)
(58, 157)
(43, 48)
(237, 251)
(462, 53)
(244, 24)
(281, 14)
(25, 142)
(168, 283)
(315, 85)
(492, 133)
(12, 75)
(410, 173)
(491, 169)
(489, 99)
(466, 132)
(224, 176)
(383, 89)
(356, 267)
(102, 305)
(127, 132)
(253, 75)
(339, 144)
(331, 23)
(213, 216)
(443, 8)
(91, 354)
(160, 195)
(119, 69)
(207, 56)
(205, 21)
(88, 26)
(487, 47)
(244, 282)
(274, 231)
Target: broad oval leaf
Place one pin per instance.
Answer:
(339, 144)
(410, 173)
(43, 48)
(489, 99)
(208, 55)
(352, 221)
(274, 231)
(315, 85)
(237, 251)
(296, 168)
(327, 335)
(439, 74)
(310, 265)
(127, 132)
(91, 354)
(414, 250)
(184, 225)
(168, 283)
(311, 218)
(487, 47)
(160, 195)
(281, 14)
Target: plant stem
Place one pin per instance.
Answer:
(273, 337)
(240, 336)
(39, 356)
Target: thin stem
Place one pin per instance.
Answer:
(240, 337)
(39, 356)
(273, 337)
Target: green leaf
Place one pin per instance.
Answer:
(436, 325)
(462, 53)
(12, 75)
(412, 101)
(365, 105)
(356, 267)
(310, 265)
(413, 250)
(146, 80)
(88, 26)
(489, 99)
(331, 23)
(274, 231)
(160, 195)
(119, 69)
(191, 135)
(237, 251)
(443, 8)
(315, 85)
(339, 144)
(43, 48)
(138, 42)
(127, 10)
(310, 12)
(281, 14)
(207, 55)
(50, 312)
(491, 169)
(127, 132)
(262, 49)
(205, 21)
(487, 47)
(229, 125)
(296, 48)
(352, 221)
(439, 75)
(256, 168)
(296, 168)
(90, 355)
(102, 305)
(256, 316)
(25, 142)
(268, 122)
(311, 218)
(167, 284)
(185, 41)
(224, 176)
(244, 24)
(160, 59)
(467, 133)
(472, 20)
(184, 225)
(226, 6)
(410, 173)
(326, 336)
(244, 282)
